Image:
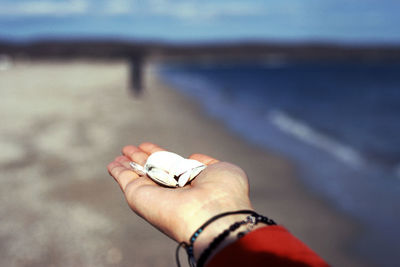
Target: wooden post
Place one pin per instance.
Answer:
(136, 74)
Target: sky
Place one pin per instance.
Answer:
(349, 21)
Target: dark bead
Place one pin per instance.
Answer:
(240, 235)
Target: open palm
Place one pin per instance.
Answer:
(178, 212)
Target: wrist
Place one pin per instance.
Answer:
(205, 249)
(213, 230)
(208, 235)
(207, 211)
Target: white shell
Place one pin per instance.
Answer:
(165, 167)
(162, 177)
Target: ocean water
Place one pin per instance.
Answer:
(339, 122)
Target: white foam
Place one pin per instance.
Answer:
(305, 133)
(5, 62)
(397, 170)
(275, 61)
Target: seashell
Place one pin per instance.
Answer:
(170, 169)
(162, 177)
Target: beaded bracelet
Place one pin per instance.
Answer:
(218, 240)
(253, 219)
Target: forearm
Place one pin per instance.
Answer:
(267, 246)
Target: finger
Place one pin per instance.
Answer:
(135, 154)
(150, 148)
(121, 173)
(124, 160)
(207, 160)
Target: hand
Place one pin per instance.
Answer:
(179, 212)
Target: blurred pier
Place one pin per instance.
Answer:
(137, 54)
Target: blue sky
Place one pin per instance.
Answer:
(354, 21)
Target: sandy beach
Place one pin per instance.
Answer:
(63, 122)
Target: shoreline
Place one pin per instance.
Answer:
(334, 167)
(309, 204)
(70, 119)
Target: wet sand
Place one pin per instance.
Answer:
(63, 122)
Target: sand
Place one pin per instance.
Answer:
(63, 122)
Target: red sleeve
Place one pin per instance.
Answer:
(267, 246)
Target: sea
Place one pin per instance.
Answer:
(339, 122)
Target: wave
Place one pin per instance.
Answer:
(397, 171)
(307, 134)
(223, 104)
(337, 170)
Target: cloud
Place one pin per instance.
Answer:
(117, 7)
(40, 8)
(299, 12)
(203, 9)
(187, 9)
